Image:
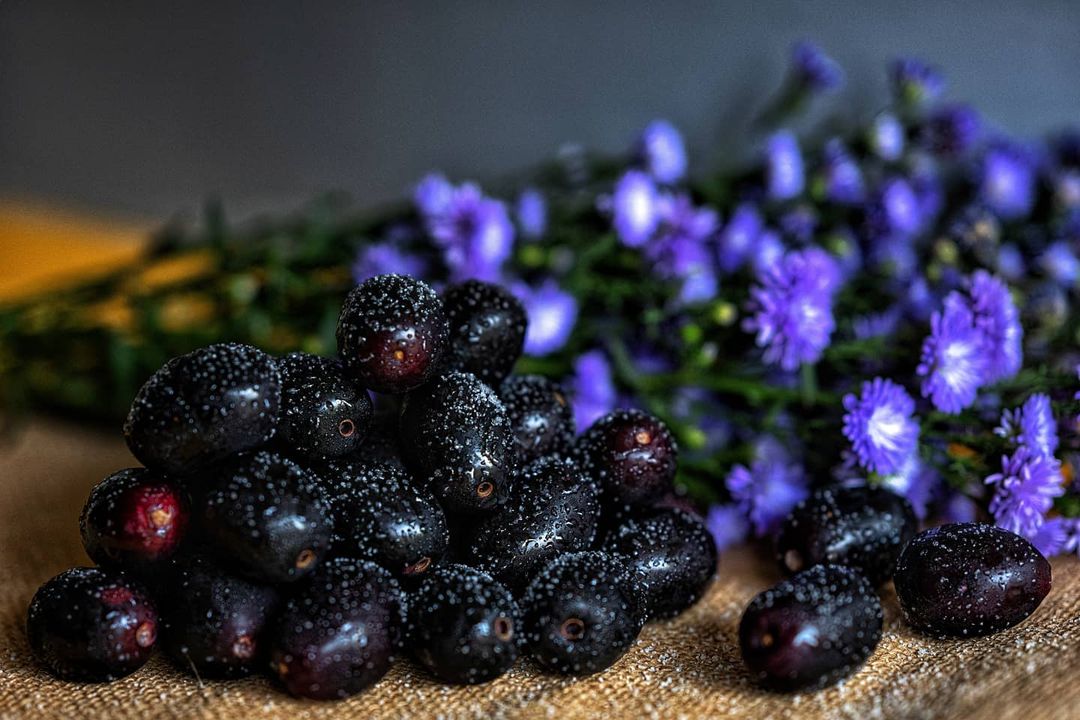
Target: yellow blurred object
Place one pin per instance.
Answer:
(961, 452)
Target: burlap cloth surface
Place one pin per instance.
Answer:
(688, 668)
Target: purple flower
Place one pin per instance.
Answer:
(386, 259)
(951, 129)
(593, 389)
(727, 524)
(959, 508)
(799, 223)
(841, 176)
(914, 83)
(1060, 264)
(532, 213)
(1010, 262)
(1008, 181)
(1052, 537)
(925, 178)
(915, 480)
(792, 307)
(886, 137)
(784, 174)
(1031, 425)
(473, 231)
(552, 313)
(1024, 490)
(953, 365)
(880, 425)
(768, 490)
(996, 317)
(662, 152)
(433, 195)
(812, 70)
(679, 250)
(767, 252)
(895, 210)
(875, 325)
(738, 237)
(634, 206)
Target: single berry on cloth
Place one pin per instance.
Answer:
(463, 625)
(632, 455)
(812, 630)
(266, 516)
(213, 623)
(134, 519)
(865, 528)
(541, 417)
(91, 625)
(487, 329)
(204, 406)
(392, 333)
(967, 579)
(581, 613)
(323, 413)
(672, 557)
(339, 633)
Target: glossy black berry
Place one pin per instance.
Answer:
(969, 579)
(91, 625)
(541, 417)
(463, 625)
(455, 433)
(811, 630)
(212, 622)
(556, 512)
(134, 519)
(861, 527)
(580, 613)
(672, 557)
(339, 634)
(487, 329)
(267, 517)
(392, 333)
(632, 454)
(204, 406)
(380, 514)
(323, 413)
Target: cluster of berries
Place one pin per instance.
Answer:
(285, 522)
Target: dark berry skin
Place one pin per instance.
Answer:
(381, 515)
(811, 630)
(204, 406)
(91, 625)
(323, 414)
(392, 333)
(455, 433)
(487, 330)
(212, 622)
(134, 520)
(339, 634)
(632, 454)
(463, 625)
(968, 579)
(861, 527)
(541, 417)
(580, 613)
(556, 513)
(672, 557)
(267, 517)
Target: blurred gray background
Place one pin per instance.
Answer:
(145, 107)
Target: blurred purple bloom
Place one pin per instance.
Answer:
(738, 237)
(886, 137)
(728, 525)
(767, 252)
(915, 480)
(875, 325)
(433, 195)
(1052, 537)
(1031, 425)
(1059, 263)
(813, 70)
(634, 206)
(959, 508)
(951, 129)
(997, 318)
(799, 223)
(532, 213)
(895, 210)
(880, 426)
(593, 389)
(473, 230)
(662, 152)
(1010, 262)
(953, 364)
(1008, 181)
(914, 83)
(680, 249)
(768, 490)
(1067, 188)
(784, 173)
(552, 313)
(842, 178)
(925, 179)
(792, 307)
(386, 259)
(1024, 490)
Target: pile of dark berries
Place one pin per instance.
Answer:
(284, 523)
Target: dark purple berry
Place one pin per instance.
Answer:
(969, 579)
(91, 625)
(134, 519)
(392, 333)
(556, 513)
(580, 613)
(672, 557)
(541, 417)
(323, 414)
(861, 527)
(455, 434)
(204, 406)
(339, 634)
(212, 623)
(463, 625)
(487, 329)
(811, 630)
(633, 456)
(267, 517)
